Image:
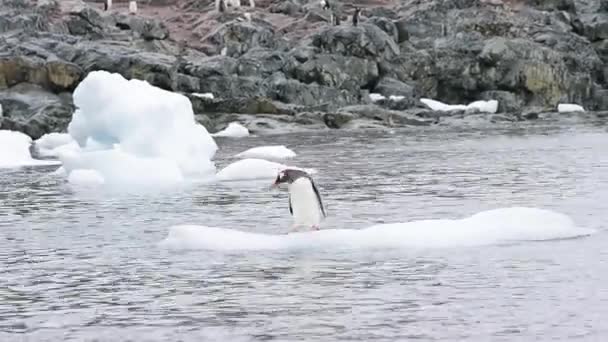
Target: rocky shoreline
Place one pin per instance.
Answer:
(283, 63)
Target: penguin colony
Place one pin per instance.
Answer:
(334, 18)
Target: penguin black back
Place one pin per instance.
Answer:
(356, 16)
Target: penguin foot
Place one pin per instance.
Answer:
(316, 227)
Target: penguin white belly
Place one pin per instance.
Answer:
(132, 7)
(304, 203)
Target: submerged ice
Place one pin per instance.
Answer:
(129, 131)
(506, 225)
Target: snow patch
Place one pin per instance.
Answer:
(204, 95)
(15, 151)
(252, 168)
(490, 106)
(269, 152)
(376, 97)
(234, 130)
(569, 108)
(396, 98)
(505, 225)
(129, 131)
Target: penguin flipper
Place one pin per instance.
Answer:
(314, 187)
(290, 209)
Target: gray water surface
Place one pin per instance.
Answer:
(85, 265)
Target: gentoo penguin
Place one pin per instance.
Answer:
(356, 16)
(335, 20)
(305, 204)
(132, 7)
(325, 4)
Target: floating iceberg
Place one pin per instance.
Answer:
(252, 168)
(129, 131)
(569, 108)
(15, 151)
(490, 106)
(234, 130)
(506, 225)
(270, 152)
(52, 144)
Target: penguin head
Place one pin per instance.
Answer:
(288, 176)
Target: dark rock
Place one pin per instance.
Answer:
(381, 12)
(147, 28)
(364, 41)
(261, 62)
(31, 110)
(336, 71)
(595, 26)
(387, 26)
(251, 105)
(286, 7)
(292, 91)
(210, 67)
(554, 5)
(390, 86)
(337, 120)
(239, 37)
(233, 86)
(56, 75)
(601, 99)
(507, 102)
(85, 21)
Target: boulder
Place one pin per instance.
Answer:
(336, 71)
(56, 75)
(30, 109)
(238, 37)
(365, 41)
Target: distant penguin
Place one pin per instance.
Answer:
(221, 6)
(325, 4)
(305, 204)
(132, 7)
(335, 20)
(107, 5)
(356, 16)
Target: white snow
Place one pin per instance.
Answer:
(484, 106)
(15, 151)
(132, 132)
(51, 145)
(268, 152)
(569, 108)
(204, 95)
(234, 130)
(490, 106)
(85, 177)
(252, 168)
(506, 225)
(376, 97)
(396, 98)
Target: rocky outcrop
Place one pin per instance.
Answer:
(283, 63)
(30, 109)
